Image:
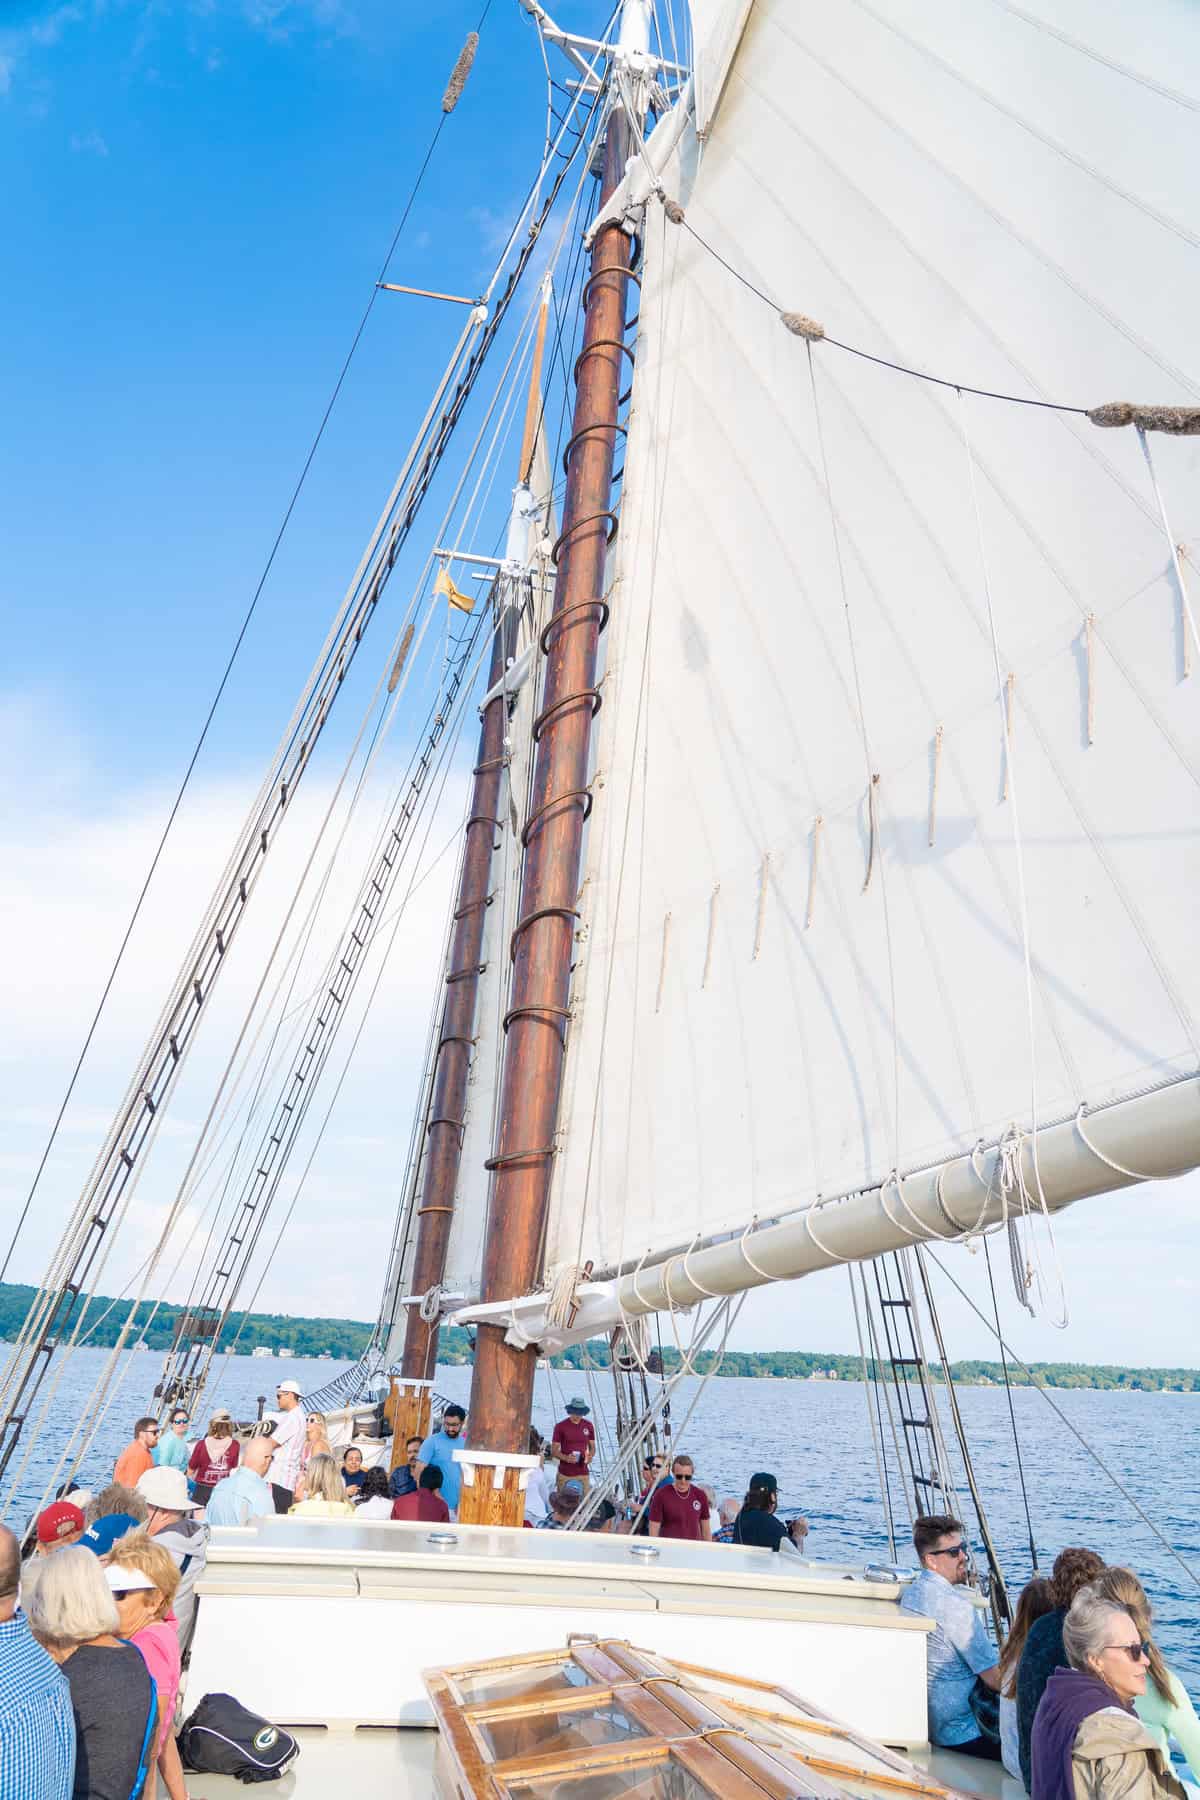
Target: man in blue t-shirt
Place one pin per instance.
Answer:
(959, 1651)
(439, 1450)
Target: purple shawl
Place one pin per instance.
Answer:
(1070, 1697)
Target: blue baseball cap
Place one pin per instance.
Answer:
(103, 1533)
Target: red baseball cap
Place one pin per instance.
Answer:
(58, 1521)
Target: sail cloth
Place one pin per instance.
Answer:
(803, 959)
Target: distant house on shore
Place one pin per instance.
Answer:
(263, 1350)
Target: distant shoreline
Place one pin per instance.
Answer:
(344, 1340)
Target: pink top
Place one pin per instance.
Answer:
(159, 1645)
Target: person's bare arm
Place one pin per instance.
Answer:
(169, 1765)
(706, 1528)
(655, 1527)
(556, 1451)
(991, 1678)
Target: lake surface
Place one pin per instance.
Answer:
(813, 1435)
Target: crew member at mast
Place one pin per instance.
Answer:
(290, 1436)
(574, 1444)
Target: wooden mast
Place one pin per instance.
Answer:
(543, 941)
(409, 1402)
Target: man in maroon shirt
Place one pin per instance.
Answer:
(680, 1509)
(574, 1444)
(424, 1503)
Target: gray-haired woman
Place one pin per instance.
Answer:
(1088, 1743)
(73, 1616)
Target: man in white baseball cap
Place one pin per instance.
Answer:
(171, 1521)
(290, 1423)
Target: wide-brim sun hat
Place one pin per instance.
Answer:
(289, 1387)
(578, 1405)
(167, 1489)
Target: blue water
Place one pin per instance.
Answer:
(814, 1437)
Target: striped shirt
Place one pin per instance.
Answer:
(37, 1724)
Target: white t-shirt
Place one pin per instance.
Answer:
(289, 1430)
(378, 1508)
(537, 1496)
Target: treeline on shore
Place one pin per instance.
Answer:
(346, 1339)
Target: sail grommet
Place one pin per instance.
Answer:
(566, 621)
(543, 912)
(547, 714)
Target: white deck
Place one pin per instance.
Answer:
(331, 1622)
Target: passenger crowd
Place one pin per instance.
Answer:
(1079, 1704)
(97, 1607)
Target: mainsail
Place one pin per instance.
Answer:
(894, 848)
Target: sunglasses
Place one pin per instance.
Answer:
(1135, 1652)
(681, 1477)
(951, 1550)
(179, 1421)
(124, 1593)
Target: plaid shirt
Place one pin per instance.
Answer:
(37, 1724)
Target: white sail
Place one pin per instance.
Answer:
(813, 878)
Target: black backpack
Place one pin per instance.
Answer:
(223, 1737)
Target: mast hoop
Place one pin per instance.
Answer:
(453, 1037)
(546, 716)
(601, 344)
(586, 431)
(534, 1011)
(571, 795)
(471, 906)
(565, 620)
(585, 293)
(465, 974)
(543, 912)
(513, 1157)
(460, 1126)
(564, 537)
(492, 762)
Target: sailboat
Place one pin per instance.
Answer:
(826, 887)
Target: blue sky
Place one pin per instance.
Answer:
(198, 194)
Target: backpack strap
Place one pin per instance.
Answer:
(149, 1740)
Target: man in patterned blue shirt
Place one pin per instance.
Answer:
(37, 1725)
(959, 1649)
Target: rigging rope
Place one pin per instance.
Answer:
(1191, 1573)
(223, 683)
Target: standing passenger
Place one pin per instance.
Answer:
(214, 1457)
(247, 1495)
(959, 1651)
(680, 1509)
(290, 1424)
(37, 1725)
(574, 1444)
(137, 1456)
(172, 1451)
(438, 1451)
(427, 1502)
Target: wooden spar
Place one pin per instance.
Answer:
(544, 937)
(533, 408)
(447, 1107)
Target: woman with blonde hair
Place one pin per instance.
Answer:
(316, 1443)
(1164, 1707)
(1088, 1742)
(143, 1578)
(1037, 1599)
(214, 1456)
(73, 1616)
(324, 1491)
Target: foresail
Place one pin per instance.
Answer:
(897, 693)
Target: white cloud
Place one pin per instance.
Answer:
(88, 143)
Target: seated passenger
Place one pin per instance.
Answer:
(961, 1658)
(353, 1472)
(403, 1480)
(374, 1500)
(426, 1502)
(324, 1494)
(144, 1581)
(757, 1526)
(563, 1504)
